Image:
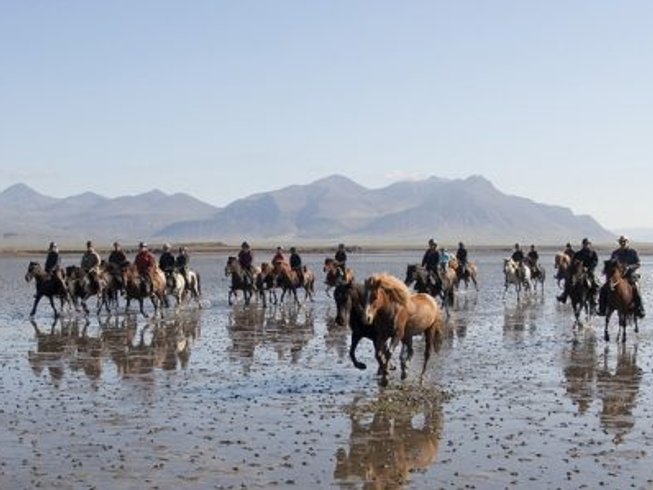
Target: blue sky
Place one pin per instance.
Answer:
(549, 100)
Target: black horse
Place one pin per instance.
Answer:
(47, 284)
(581, 291)
(240, 280)
(350, 300)
(424, 281)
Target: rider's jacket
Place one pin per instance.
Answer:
(52, 262)
(588, 258)
(245, 259)
(166, 261)
(431, 259)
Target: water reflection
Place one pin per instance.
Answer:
(72, 343)
(580, 372)
(285, 329)
(391, 437)
(618, 389)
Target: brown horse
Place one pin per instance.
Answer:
(138, 288)
(402, 314)
(290, 280)
(470, 273)
(332, 279)
(266, 284)
(449, 278)
(48, 285)
(620, 298)
(561, 263)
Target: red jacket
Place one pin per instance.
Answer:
(145, 261)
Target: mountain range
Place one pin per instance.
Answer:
(331, 209)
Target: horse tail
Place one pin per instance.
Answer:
(199, 283)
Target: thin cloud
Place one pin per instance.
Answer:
(396, 175)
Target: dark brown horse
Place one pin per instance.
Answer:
(290, 280)
(620, 298)
(240, 280)
(48, 285)
(350, 299)
(580, 290)
(404, 314)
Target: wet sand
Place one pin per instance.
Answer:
(242, 397)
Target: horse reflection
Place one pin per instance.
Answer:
(618, 391)
(580, 372)
(287, 330)
(383, 452)
(71, 344)
(163, 344)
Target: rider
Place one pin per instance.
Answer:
(296, 264)
(278, 257)
(569, 251)
(518, 254)
(145, 263)
(117, 261)
(461, 256)
(531, 258)
(588, 258)
(167, 260)
(53, 265)
(630, 259)
(90, 259)
(181, 262)
(431, 260)
(246, 259)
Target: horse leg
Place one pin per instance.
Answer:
(429, 343)
(355, 338)
(382, 358)
(606, 335)
(56, 313)
(140, 303)
(622, 326)
(37, 298)
(405, 356)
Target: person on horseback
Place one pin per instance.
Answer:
(461, 256)
(532, 258)
(569, 251)
(90, 259)
(181, 263)
(53, 265)
(167, 260)
(517, 254)
(246, 260)
(278, 257)
(431, 261)
(587, 258)
(296, 264)
(117, 257)
(629, 258)
(145, 262)
(341, 261)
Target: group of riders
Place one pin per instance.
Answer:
(436, 259)
(294, 260)
(145, 262)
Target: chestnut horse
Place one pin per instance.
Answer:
(138, 288)
(266, 284)
(620, 298)
(561, 263)
(401, 315)
(470, 273)
(290, 280)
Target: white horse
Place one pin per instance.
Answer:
(175, 285)
(516, 274)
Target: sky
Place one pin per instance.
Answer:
(548, 100)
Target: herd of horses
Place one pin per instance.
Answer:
(73, 287)
(383, 308)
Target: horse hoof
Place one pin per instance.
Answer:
(384, 381)
(606, 337)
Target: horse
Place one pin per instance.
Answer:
(561, 263)
(448, 278)
(175, 285)
(82, 285)
(350, 298)
(240, 280)
(418, 275)
(47, 284)
(538, 274)
(138, 288)
(580, 291)
(332, 270)
(266, 283)
(401, 315)
(470, 273)
(193, 286)
(620, 298)
(112, 284)
(516, 274)
(290, 280)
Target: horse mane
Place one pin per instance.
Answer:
(393, 287)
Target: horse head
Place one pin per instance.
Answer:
(371, 297)
(33, 269)
(232, 266)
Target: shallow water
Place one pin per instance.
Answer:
(226, 397)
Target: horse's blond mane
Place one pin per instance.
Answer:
(393, 287)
